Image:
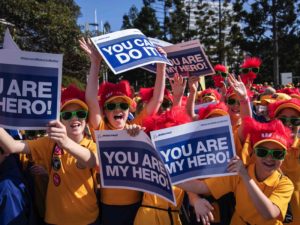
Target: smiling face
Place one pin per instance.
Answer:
(289, 113)
(265, 166)
(233, 108)
(74, 126)
(117, 117)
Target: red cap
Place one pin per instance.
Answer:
(73, 95)
(147, 93)
(293, 92)
(213, 109)
(273, 131)
(210, 93)
(176, 116)
(110, 91)
(276, 107)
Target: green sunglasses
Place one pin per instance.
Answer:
(80, 114)
(223, 74)
(292, 120)
(275, 153)
(232, 101)
(112, 106)
(247, 70)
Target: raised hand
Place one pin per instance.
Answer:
(238, 86)
(87, 46)
(178, 84)
(193, 82)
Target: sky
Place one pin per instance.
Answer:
(111, 11)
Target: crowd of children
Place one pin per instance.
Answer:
(60, 185)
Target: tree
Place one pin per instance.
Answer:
(147, 22)
(266, 25)
(48, 26)
(179, 22)
(128, 19)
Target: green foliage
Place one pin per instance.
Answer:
(48, 26)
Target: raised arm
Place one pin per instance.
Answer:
(193, 88)
(178, 84)
(91, 93)
(11, 145)
(261, 202)
(245, 107)
(159, 87)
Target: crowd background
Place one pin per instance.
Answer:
(265, 27)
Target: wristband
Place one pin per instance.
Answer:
(244, 101)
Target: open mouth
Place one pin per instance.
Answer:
(118, 117)
(75, 125)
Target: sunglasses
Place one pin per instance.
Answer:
(80, 114)
(112, 106)
(232, 101)
(247, 70)
(166, 104)
(223, 74)
(275, 153)
(294, 121)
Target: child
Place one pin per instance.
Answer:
(69, 158)
(262, 193)
(288, 112)
(119, 206)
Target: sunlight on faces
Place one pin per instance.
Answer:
(289, 113)
(265, 166)
(233, 109)
(74, 126)
(117, 117)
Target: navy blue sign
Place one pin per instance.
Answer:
(195, 154)
(28, 95)
(127, 51)
(134, 165)
(187, 59)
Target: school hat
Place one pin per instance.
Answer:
(210, 94)
(276, 107)
(293, 92)
(273, 131)
(109, 91)
(147, 93)
(213, 109)
(73, 95)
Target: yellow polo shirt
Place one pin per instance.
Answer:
(71, 199)
(116, 196)
(291, 168)
(147, 216)
(278, 188)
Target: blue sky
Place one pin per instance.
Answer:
(107, 10)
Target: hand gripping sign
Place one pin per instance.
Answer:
(132, 163)
(127, 49)
(199, 149)
(29, 89)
